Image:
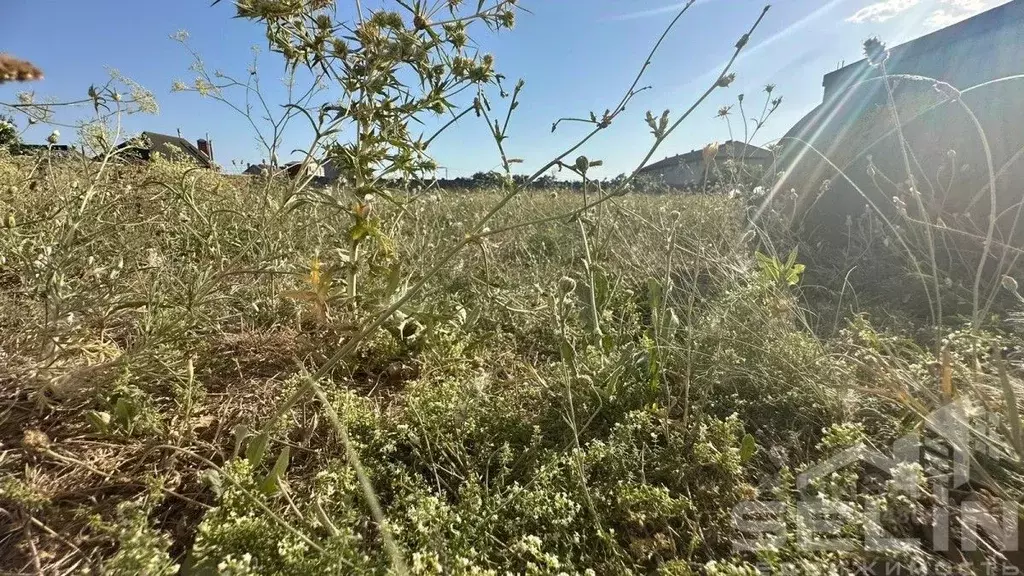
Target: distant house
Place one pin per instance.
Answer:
(854, 128)
(292, 169)
(689, 170)
(62, 151)
(312, 168)
(257, 169)
(143, 147)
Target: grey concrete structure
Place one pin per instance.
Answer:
(855, 129)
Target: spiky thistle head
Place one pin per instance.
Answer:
(875, 51)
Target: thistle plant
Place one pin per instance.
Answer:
(447, 410)
(771, 104)
(269, 126)
(366, 59)
(117, 97)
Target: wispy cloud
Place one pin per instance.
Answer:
(756, 49)
(652, 11)
(941, 18)
(955, 11)
(882, 11)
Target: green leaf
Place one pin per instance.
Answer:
(241, 433)
(212, 478)
(124, 412)
(273, 480)
(793, 275)
(257, 448)
(100, 421)
(601, 290)
(568, 354)
(394, 279)
(747, 448)
(607, 343)
(655, 293)
(359, 231)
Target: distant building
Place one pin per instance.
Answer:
(257, 169)
(320, 171)
(62, 151)
(143, 147)
(312, 168)
(854, 128)
(689, 170)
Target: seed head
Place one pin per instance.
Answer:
(1009, 283)
(726, 80)
(874, 50)
(566, 285)
(35, 441)
(54, 137)
(901, 206)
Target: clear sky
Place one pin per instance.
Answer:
(576, 56)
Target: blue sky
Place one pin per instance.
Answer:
(576, 56)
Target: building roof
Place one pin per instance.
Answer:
(22, 148)
(729, 149)
(982, 51)
(166, 146)
(256, 169)
(1009, 14)
(55, 150)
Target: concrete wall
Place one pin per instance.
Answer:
(690, 172)
(687, 173)
(855, 123)
(975, 50)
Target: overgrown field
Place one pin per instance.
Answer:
(595, 393)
